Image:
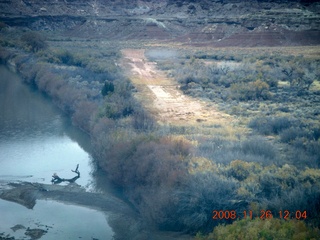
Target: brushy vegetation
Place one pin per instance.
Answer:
(34, 41)
(173, 179)
(253, 78)
(262, 229)
(273, 94)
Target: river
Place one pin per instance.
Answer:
(37, 140)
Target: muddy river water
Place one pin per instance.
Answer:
(37, 140)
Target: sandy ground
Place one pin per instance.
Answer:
(162, 97)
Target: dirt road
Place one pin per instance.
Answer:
(162, 97)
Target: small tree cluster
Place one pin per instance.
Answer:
(250, 91)
(271, 125)
(108, 87)
(34, 41)
(300, 73)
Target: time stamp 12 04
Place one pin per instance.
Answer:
(264, 214)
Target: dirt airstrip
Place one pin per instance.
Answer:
(162, 97)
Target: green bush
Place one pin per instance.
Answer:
(246, 229)
(69, 58)
(108, 87)
(240, 170)
(270, 125)
(250, 91)
(143, 121)
(291, 134)
(203, 193)
(116, 107)
(258, 146)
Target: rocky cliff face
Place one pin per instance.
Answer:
(202, 22)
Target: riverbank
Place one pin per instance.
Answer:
(35, 73)
(124, 221)
(26, 194)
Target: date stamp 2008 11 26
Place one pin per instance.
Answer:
(264, 214)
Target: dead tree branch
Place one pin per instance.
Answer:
(56, 179)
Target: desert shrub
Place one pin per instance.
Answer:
(270, 125)
(46, 81)
(115, 107)
(7, 43)
(83, 73)
(254, 149)
(34, 41)
(258, 146)
(105, 66)
(29, 70)
(108, 87)
(147, 167)
(143, 121)
(286, 188)
(316, 133)
(120, 103)
(68, 58)
(158, 162)
(310, 175)
(210, 147)
(291, 134)
(261, 89)
(84, 112)
(261, 125)
(269, 186)
(203, 193)
(250, 91)
(262, 229)
(4, 55)
(65, 95)
(67, 98)
(274, 181)
(123, 87)
(278, 124)
(192, 72)
(272, 82)
(300, 73)
(240, 170)
(298, 198)
(103, 138)
(241, 91)
(313, 148)
(301, 158)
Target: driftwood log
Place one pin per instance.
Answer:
(56, 179)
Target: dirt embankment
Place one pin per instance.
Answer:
(162, 97)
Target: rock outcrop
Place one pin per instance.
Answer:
(214, 23)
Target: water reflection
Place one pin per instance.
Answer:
(36, 139)
(61, 221)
